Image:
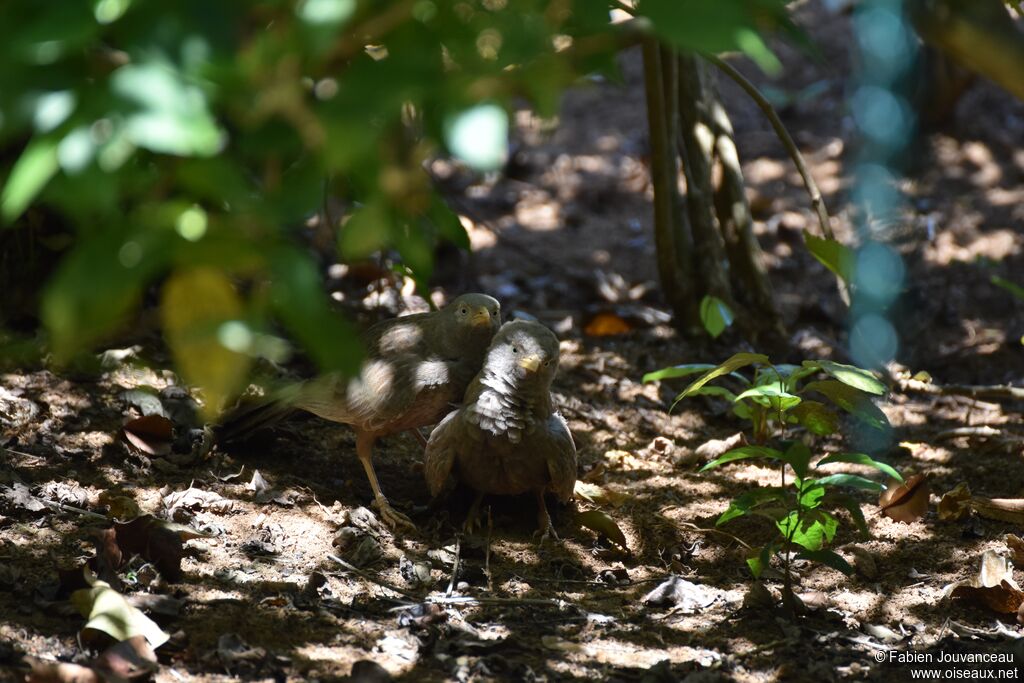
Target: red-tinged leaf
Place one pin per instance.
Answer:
(908, 502)
(152, 539)
(151, 435)
(128, 659)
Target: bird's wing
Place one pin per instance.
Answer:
(560, 453)
(410, 334)
(394, 389)
(442, 448)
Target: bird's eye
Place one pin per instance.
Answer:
(463, 310)
(547, 363)
(515, 349)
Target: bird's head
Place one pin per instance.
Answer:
(474, 317)
(525, 352)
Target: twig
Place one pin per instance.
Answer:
(455, 566)
(487, 553)
(771, 645)
(470, 600)
(64, 507)
(694, 527)
(373, 579)
(996, 391)
(817, 201)
(981, 430)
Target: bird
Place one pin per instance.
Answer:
(506, 438)
(416, 369)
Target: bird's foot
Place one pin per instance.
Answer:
(392, 517)
(472, 523)
(546, 533)
(544, 526)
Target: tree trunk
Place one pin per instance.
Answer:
(709, 246)
(671, 237)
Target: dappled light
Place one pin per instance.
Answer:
(501, 340)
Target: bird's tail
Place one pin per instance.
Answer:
(242, 421)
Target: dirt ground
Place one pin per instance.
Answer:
(563, 236)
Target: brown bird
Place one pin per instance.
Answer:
(416, 369)
(506, 439)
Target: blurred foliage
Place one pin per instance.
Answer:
(185, 145)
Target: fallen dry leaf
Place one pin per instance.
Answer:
(955, 504)
(157, 541)
(682, 595)
(606, 324)
(128, 659)
(107, 611)
(60, 672)
(864, 562)
(151, 434)
(599, 495)
(1003, 509)
(709, 450)
(907, 502)
(993, 587)
(598, 521)
(1016, 546)
(196, 499)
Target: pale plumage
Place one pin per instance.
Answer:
(506, 439)
(416, 369)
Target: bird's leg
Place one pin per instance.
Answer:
(392, 517)
(472, 522)
(545, 528)
(419, 436)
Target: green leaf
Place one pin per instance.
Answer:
(99, 283)
(852, 400)
(773, 396)
(31, 172)
(734, 363)
(851, 375)
(798, 456)
(818, 418)
(759, 560)
(853, 507)
(811, 495)
(715, 315)
(744, 453)
(300, 302)
(447, 222)
(367, 230)
(172, 115)
(861, 459)
(837, 257)
(749, 500)
(828, 558)
(810, 530)
(1011, 287)
(797, 374)
(678, 371)
(850, 480)
(698, 25)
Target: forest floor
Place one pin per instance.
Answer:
(565, 235)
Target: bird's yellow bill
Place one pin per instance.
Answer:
(530, 363)
(481, 317)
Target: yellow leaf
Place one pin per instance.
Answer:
(200, 311)
(598, 521)
(108, 611)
